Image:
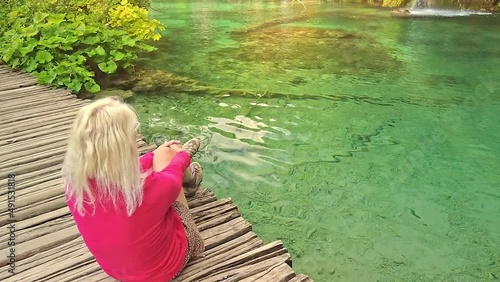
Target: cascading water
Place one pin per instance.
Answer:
(428, 8)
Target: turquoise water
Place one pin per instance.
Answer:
(379, 162)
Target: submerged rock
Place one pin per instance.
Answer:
(335, 51)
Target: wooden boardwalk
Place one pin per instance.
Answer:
(35, 122)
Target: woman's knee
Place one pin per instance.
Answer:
(162, 157)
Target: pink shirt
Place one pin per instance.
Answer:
(151, 244)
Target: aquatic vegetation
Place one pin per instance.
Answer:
(334, 51)
(70, 43)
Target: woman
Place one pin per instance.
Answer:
(131, 212)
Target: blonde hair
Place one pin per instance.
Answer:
(102, 146)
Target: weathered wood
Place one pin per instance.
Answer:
(225, 232)
(99, 275)
(48, 122)
(15, 138)
(26, 234)
(43, 243)
(41, 207)
(277, 273)
(63, 251)
(35, 90)
(241, 259)
(25, 180)
(34, 143)
(28, 167)
(225, 251)
(41, 112)
(14, 85)
(49, 144)
(37, 220)
(240, 273)
(301, 278)
(200, 210)
(35, 101)
(44, 126)
(45, 190)
(35, 156)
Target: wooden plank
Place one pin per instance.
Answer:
(99, 275)
(77, 273)
(247, 257)
(63, 251)
(24, 180)
(49, 144)
(243, 273)
(43, 243)
(41, 207)
(39, 112)
(35, 100)
(247, 238)
(14, 138)
(201, 210)
(34, 142)
(27, 234)
(57, 268)
(35, 156)
(24, 127)
(34, 194)
(225, 232)
(301, 278)
(17, 84)
(228, 250)
(36, 90)
(28, 167)
(280, 272)
(37, 220)
(17, 105)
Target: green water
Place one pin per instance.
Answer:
(382, 162)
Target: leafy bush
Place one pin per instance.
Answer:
(73, 42)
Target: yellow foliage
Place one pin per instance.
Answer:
(134, 20)
(393, 3)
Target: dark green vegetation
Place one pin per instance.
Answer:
(74, 43)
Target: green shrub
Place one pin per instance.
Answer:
(76, 47)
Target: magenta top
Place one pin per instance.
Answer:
(151, 244)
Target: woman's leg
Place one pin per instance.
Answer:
(162, 157)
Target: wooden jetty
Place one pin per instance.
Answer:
(35, 122)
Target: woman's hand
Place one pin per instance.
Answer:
(174, 145)
(170, 143)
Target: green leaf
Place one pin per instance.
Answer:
(80, 30)
(46, 77)
(92, 87)
(117, 55)
(15, 62)
(127, 40)
(91, 40)
(7, 55)
(74, 85)
(40, 17)
(30, 65)
(43, 56)
(100, 51)
(56, 19)
(109, 67)
(147, 48)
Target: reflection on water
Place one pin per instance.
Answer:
(379, 161)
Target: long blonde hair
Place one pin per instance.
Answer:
(102, 146)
